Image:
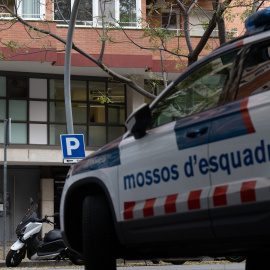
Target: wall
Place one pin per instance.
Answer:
(47, 202)
(22, 184)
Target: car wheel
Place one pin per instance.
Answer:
(75, 258)
(257, 261)
(235, 258)
(99, 239)
(175, 262)
(179, 262)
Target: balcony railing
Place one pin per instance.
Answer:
(193, 32)
(7, 16)
(200, 32)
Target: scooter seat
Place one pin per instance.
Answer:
(52, 235)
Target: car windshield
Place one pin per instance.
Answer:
(30, 212)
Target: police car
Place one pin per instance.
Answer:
(191, 177)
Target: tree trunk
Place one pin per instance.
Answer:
(221, 31)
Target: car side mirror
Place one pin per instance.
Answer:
(139, 120)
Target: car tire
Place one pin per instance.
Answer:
(235, 258)
(175, 262)
(99, 239)
(257, 261)
(179, 262)
(75, 258)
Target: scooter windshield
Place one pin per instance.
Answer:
(30, 212)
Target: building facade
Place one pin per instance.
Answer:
(32, 86)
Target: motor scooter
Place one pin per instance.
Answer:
(29, 241)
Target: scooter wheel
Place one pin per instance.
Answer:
(99, 238)
(14, 257)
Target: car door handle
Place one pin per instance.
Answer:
(196, 133)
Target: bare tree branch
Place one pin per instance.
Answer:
(103, 39)
(186, 24)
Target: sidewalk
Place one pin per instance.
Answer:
(28, 263)
(51, 263)
(67, 263)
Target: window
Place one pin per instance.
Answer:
(107, 112)
(11, 5)
(17, 87)
(31, 9)
(199, 21)
(62, 10)
(170, 20)
(198, 91)
(98, 109)
(37, 109)
(128, 16)
(256, 72)
(86, 11)
(128, 12)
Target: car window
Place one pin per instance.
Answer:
(198, 91)
(256, 72)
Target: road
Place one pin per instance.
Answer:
(238, 266)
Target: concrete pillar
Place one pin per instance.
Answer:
(47, 201)
(134, 99)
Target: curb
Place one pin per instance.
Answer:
(53, 263)
(43, 263)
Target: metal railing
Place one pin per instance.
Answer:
(82, 23)
(200, 32)
(8, 16)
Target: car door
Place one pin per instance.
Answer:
(163, 190)
(239, 152)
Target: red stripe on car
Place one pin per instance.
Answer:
(148, 209)
(248, 191)
(219, 197)
(128, 210)
(194, 200)
(170, 206)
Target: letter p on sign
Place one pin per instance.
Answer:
(73, 146)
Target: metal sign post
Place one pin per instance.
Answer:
(7, 140)
(68, 106)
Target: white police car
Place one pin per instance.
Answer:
(191, 177)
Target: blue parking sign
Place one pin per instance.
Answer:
(72, 146)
